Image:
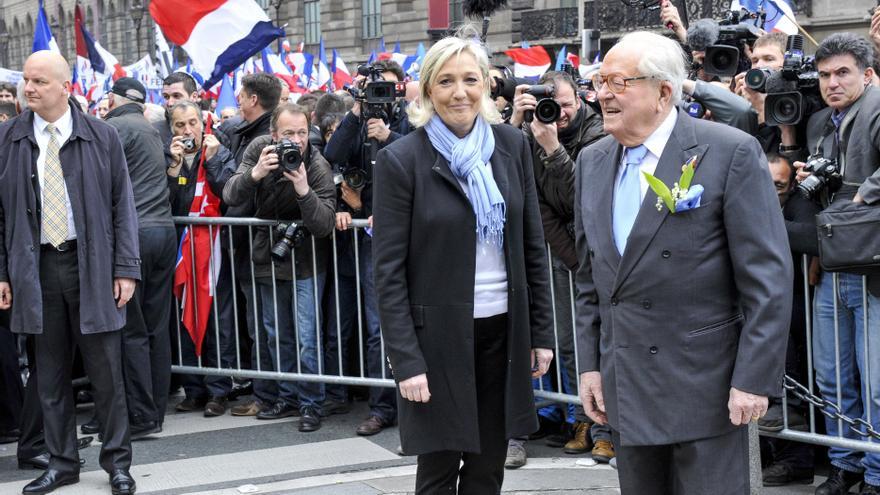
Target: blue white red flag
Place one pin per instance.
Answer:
(198, 258)
(43, 39)
(323, 79)
(341, 77)
(529, 62)
(218, 35)
(780, 16)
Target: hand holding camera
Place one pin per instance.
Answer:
(181, 145)
(266, 164)
(818, 174)
(378, 130)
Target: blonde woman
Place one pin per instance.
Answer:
(461, 276)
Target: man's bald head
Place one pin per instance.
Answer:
(47, 84)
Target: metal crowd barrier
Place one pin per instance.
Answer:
(560, 388)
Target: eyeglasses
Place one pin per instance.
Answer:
(616, 82)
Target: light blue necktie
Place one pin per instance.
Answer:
(628, 197)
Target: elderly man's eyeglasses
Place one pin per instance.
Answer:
(617, 83)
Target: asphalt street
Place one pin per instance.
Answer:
(233, 456)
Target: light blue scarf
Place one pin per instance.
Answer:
(467, 159)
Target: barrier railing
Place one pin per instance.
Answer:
(347, 324)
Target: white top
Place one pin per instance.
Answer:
(64, 125)
(490, 276)
(655, 143)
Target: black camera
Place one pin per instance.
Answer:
(826, 176)
(189, 144)
(793, 91)
(378, 91)
(289, 155)
(355, 177)
(547, 110)
(292, 237)
(727, 56)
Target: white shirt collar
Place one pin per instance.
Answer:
(656, 142)
(64, 124)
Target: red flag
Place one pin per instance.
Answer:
(198, 259)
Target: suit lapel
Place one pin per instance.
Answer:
(605, 185)
(681, 146)
(500, 161)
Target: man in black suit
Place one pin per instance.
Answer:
(683, 307)
(68, 233)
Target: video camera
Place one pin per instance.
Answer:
(376, 93)
(726, 57)
(793, 92)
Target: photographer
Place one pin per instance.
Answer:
(350, 149)
(847, 132)
(287, 180)
(189, 150)
(555, 146)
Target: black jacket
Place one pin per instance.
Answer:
(275, 199)
(144, 154)
(554, 174)
(346, 150)
(183, 187)
(424, 244)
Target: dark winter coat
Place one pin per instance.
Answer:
(103, 212)
(424, 252)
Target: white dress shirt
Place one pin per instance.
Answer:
(64, 126)
(655, 143)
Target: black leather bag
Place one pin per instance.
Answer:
(849, 238)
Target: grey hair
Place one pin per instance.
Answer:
(182, 105)
(661, 58)
(847, 44)
(19, 95)
(421, 111)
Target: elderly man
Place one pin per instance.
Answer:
(682, 306)
(68, 233)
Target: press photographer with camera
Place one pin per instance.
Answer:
(288, 181)
(842, 173)
(375, 121)
(558, 125)
(191, 149)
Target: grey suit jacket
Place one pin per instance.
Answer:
(699, 302)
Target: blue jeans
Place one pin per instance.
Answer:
(300, 310)
(854, 360)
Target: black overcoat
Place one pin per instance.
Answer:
(424, 252)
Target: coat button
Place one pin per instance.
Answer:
(32, 248)
(592, 254)
(29, 211)
(646, 304)
(653, 350)
(666, 253)
(614, 301)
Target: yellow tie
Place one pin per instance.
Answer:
(54, 192)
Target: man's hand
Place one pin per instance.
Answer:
(415, 389)
(266, 164)
(591, 396)
(177, 150)
(546, 135)
(541, 361)
(669, 17)
(123, 288)
(522, 102)
(801, 174)
(343, 220)
(211, 144)
(351, 196)
(5, 295)
(745, 407)
(858, 199)
(378, 130)
(300, 180)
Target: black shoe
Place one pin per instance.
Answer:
(83, 397)
(91, 427)
(83, 442)
(279, 410)
(142, 430)
(191, 404)
(121, 483)
(869, 489)
(50, 480)
(310, 420)
(546, 427)
(240, 389)
(10, 436)
(215, 407)
(839, 482)
(40, 462)
(782, 474)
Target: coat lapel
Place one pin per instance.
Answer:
(605, 185)
(499, 161)
(682, 145)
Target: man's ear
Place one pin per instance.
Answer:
(869, 76)
(665, 93)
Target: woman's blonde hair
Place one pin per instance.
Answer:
(421, 111)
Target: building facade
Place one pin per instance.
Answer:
(355, 27)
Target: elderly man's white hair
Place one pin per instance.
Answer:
(661, 58)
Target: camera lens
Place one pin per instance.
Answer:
(756, 79)
(785, 109)
(547, 111)
(810, 186)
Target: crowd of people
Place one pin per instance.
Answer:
(304, 297)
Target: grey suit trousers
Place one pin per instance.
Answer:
(709, 466)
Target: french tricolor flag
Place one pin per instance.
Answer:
(529, 62)
(780, 16)
(218, 35)
(341, 77)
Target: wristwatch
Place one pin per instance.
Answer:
(788, 149)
